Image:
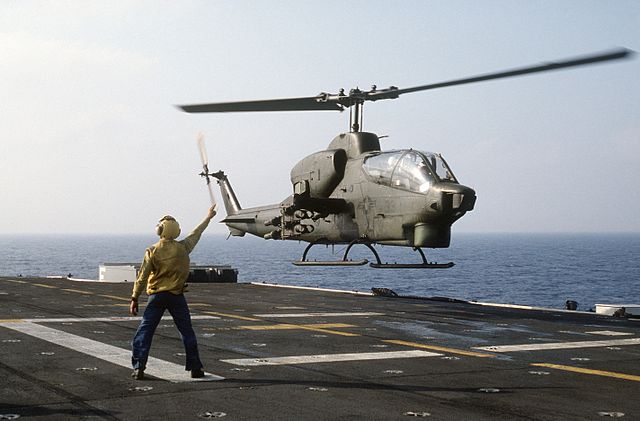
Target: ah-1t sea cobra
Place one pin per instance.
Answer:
(355, 193)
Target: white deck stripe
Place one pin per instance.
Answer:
(283, 315)
(340, 291)
(328, 358)
(101, 319)
(560, 345)
(609, 333)
(157, 368)
(523, 307)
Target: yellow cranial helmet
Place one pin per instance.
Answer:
(168, 228)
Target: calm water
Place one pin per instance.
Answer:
(531, 269)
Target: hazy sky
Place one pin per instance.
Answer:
(90, 141)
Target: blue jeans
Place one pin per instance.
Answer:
(177, 306)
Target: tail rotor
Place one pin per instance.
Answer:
(205, 166)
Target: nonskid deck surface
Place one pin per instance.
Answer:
(296, 354)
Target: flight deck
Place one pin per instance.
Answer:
(283, 353)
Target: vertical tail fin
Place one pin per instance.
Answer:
(231, 204)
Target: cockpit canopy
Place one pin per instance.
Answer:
(408, 169)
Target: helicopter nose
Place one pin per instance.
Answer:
(455, 198)
(463, 200)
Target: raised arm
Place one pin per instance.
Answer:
(192, 239)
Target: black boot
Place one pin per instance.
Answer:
(197, 373)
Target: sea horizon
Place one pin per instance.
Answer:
(538, 269)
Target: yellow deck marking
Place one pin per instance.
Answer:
(590, 371)
(77, 291)
(116, 319)
(232, 316)
(304, 327)
(316, 314)
(290, 326)
(333, 332)
(440, 348)
(45, 286)
(115, 297)
(15, 281)
(319, 327)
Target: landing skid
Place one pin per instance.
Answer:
(428, 265)
(378, 264)
(330, 263)
(343, 262)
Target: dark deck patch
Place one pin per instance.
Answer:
(457, 376)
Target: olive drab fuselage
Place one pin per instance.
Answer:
(355, 191)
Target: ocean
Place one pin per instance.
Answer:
(528, 269)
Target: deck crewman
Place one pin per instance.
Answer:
(164, 272)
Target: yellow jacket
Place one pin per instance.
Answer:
(166, 264)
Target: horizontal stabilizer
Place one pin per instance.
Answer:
(231, 219)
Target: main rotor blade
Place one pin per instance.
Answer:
(573, 62)
(284, 104)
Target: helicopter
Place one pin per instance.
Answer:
(353, 192)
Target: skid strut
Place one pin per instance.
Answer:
(377, 264)
(343, 262)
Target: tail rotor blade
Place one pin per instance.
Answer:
(205, 165)
(211, 195)
(203, 151)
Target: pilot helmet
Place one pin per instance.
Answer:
(168, 228)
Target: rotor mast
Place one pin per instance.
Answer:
(355, 117)
(357, 107)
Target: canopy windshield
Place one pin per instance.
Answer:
(409, 170)
(438, 164)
